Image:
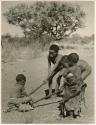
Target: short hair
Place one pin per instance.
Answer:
(54, 47)
(20, 77)
(73, 57)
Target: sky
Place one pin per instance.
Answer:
(87, 6)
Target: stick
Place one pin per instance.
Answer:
(49, 77)
(77, 93)
(37, 88)
(42, 84)
(47, 104)
(42, 98)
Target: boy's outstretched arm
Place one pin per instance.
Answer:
(85, 69)
(54, 70)
(86, 73)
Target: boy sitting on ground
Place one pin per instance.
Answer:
(20, 100)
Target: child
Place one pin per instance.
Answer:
(53, 58)
(82, 64)
(74, 86)
(20, 100)
(59, 62)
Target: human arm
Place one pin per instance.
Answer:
(86, 72)
(85, 69)
(55, 69)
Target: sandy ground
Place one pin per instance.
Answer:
(36, 71)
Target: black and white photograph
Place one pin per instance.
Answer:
(47, 62)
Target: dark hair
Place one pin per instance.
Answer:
(54, 47)
(20, 77)
(73, 57)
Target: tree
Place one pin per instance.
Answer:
(57, 19)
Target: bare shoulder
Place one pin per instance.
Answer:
(83, 63)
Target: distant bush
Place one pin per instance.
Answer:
(39, 44)
(70, 47)
(9, 44)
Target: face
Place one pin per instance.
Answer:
(52, 53)
(21, 84)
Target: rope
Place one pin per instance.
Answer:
(57, 101)
(50, 77)
(45, 97)
(47, 104)
(37, 88)
(64, 101)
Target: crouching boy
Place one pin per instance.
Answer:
(20, 100)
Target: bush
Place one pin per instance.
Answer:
(12, 44)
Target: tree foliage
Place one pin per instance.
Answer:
(57, 19)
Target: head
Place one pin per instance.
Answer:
(21, 80)
(73, 58)
(53, 50)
